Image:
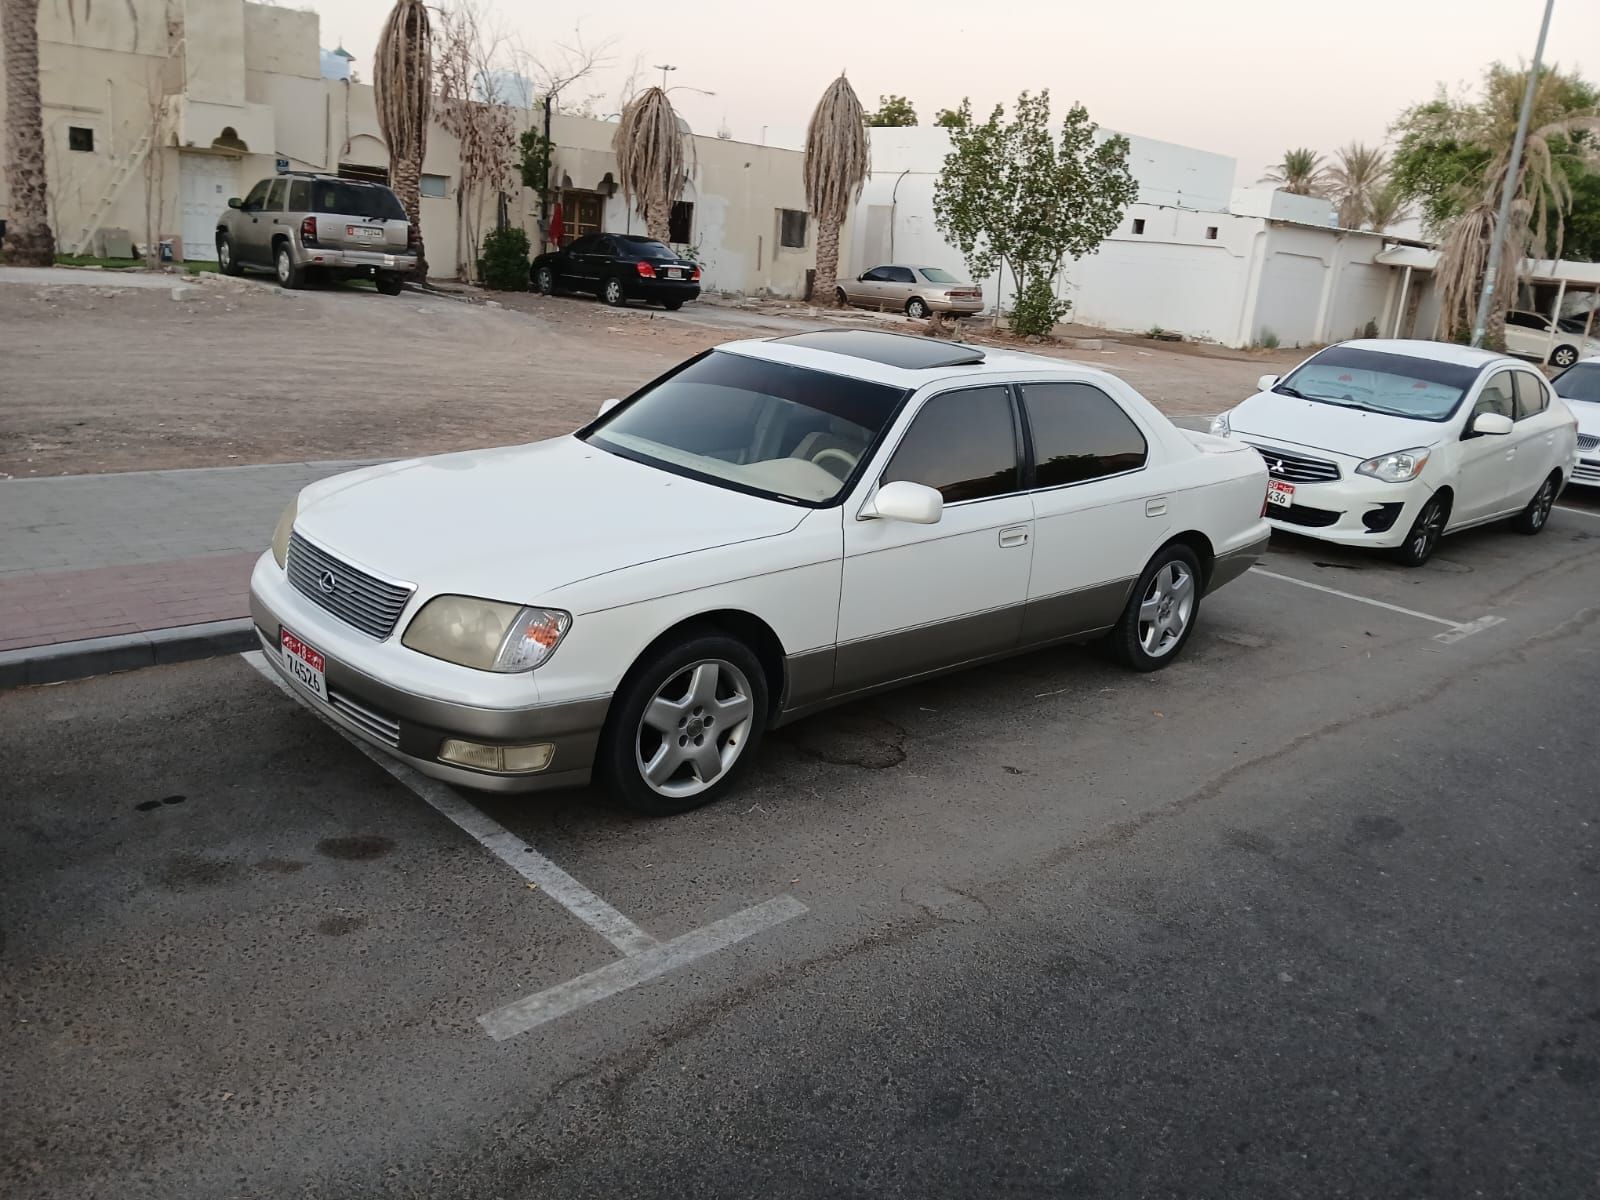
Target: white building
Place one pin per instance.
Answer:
(1193, 255)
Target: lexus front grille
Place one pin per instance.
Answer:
(1296, 468)
(370, 604)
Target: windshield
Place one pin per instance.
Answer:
(935, 275)
(648, 247)
(1395, 384)
(355, 200)
(1580, 382)
(768, 428)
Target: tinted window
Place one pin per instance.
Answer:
(1079, 433)
(1497, 397)
(350, 199)
(877, 275)
(937, 275)
(605, 245)
(1380, 382)
(963, 443)
(275, 196)
(300, 195)
(1532, 399)
(757, 426)
(901, 275)
(257, 196)
(589, 243)
(1523, 320)
(646, 247)
(1581, 382)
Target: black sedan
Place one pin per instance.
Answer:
(617, 267)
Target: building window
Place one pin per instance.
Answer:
(680, 225)
(79, 138)
(363, 172)
(1138, 226)
(436, 185)
(1211, 233)
(792, 228)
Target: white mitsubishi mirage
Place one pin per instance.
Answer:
(1393, 444)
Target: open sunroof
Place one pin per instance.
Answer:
(890, 349)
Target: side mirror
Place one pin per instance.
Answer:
(1497, 424)
(1267, 382)
(607, 405)
(235, 202)
(903, 500)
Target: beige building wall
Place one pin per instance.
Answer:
(188, 102)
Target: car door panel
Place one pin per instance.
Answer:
(1485, 471)
(248, 243)
(920, 598)
(1537, 450)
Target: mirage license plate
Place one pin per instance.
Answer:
(1279, 494)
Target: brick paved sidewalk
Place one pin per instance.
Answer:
(94, 556)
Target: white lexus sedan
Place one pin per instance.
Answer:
(1579, 387)
(771, 527)
(1395, 443)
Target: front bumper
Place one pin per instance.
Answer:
(410, 725)
(1586, 471)
(354, 260)
(1346, 510)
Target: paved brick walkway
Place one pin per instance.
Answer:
(88, 556)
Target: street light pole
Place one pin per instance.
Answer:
(664, 68)
(1497, 239)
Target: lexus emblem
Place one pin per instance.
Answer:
(327, 581)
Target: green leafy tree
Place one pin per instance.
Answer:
(1012, 193)
(950, 118)
(893, 111)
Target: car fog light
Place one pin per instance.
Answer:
(503, 760)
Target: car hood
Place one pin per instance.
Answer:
(1588, 414)
(516, 523)
(1274, 417)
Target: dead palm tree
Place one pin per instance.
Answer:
(650, 159)
(1353, 181)
(402, 82)
(1300, 172)
(837, 165)
(28, 242)
(1541, 195)
(1387, 207)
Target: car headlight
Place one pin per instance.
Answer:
(280, 535)
(485, 634)
(1400, 467)
(1220, 426)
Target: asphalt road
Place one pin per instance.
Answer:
(1316, 912)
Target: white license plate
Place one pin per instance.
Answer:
(1279, 494)
(672, 273)
(304, 664)
(362, 233)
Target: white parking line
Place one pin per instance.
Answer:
(531, 1011)
(1457, 629)
(1580, 512)
(646, 958)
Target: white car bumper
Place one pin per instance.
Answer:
(1353, 510)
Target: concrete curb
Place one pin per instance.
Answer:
(124, 652)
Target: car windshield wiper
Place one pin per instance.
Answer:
(1283, 389)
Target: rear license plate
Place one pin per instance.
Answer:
(1279, 494)
(363, 233)
(672, 273)
(306, 665)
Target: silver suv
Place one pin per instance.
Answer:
(300, 222)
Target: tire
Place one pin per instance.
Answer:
(663, 700)
(390, 283)
(839, 298)
(227, 261)
(672, 305)
(1533, 519)
(613, 293)
(544, 281)
(1161, 611)
(1426, 530)
(1563, 356)
(917, 308)
(289, 274)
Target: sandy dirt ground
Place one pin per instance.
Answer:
(96, 379)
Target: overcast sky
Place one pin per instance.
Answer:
(1246, 78)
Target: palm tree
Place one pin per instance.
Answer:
(837, 165)
(28, 242)
(1354, 180)
(650, 159)
(1300, 172)
(1541, 195)
(402, 81)
(1387, 207)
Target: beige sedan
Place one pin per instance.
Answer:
(917, 291)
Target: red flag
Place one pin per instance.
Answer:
(557, 230)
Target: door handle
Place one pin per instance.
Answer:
(1156, 507)
(1016, 535)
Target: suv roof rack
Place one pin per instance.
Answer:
(891, 349)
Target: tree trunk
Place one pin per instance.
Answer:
(827, 277)
(657, 221)
(28, 239)
(408, 190)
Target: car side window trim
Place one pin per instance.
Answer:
(1016, 434)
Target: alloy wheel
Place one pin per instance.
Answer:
(547, 281)
(1166, 609)
(916, 309)
(1564, 357)
(613, 292)
(694, 729)
(1426, 533)
(1542, 504)
(224, 255)
(285, 266)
